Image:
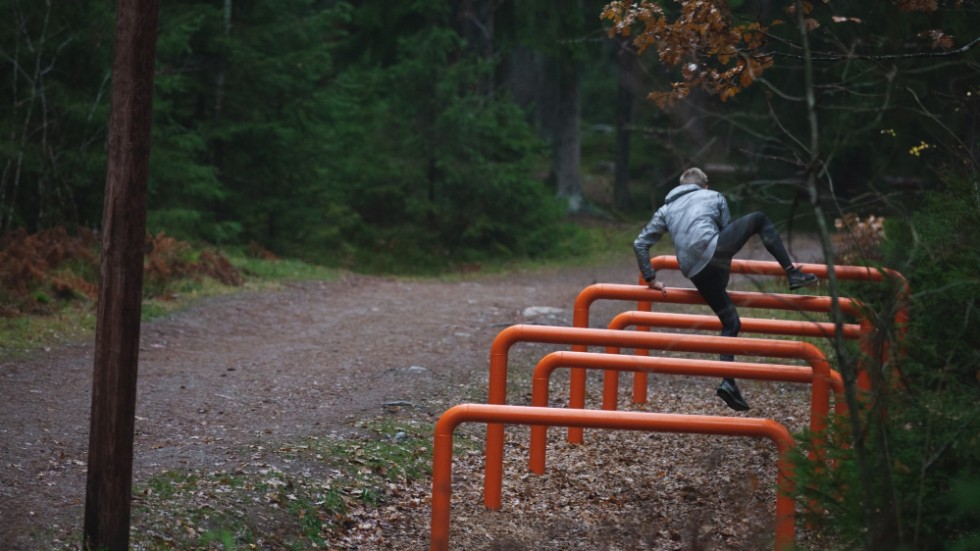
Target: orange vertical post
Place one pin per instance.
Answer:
(640, 379)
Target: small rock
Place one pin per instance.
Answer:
(535, 311)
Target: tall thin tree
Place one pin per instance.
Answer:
(110, 458)
(625, 67)
(566, 134)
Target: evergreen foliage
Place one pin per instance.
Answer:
(936, 428)
(55, 60)
(921, 425)
(311, 129)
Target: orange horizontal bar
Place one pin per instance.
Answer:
(769, 267)
(748, 325)
(677, 295)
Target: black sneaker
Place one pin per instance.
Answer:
(798, 279)
(732, 397)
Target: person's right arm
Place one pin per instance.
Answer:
(647, 238)
(724, 216)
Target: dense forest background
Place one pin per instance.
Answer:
(424, 134)
(370, 132)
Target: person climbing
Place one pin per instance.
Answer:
(705, 241)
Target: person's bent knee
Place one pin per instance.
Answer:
(735, 326)
(759, 219)
(731, 324)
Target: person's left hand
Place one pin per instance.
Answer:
(657, 286)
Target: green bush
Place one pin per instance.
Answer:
(430, 172)
(912, 481)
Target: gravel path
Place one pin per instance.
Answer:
(313, 358)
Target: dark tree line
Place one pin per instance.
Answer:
(350, 131)
(317, 129)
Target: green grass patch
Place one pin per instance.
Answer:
(591, 243)
(73, 319)
(391, 452)
(269, 271)
(69, 323)
(296, 496)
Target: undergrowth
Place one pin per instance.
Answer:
(50, 282)
(40, 270)
(50, 279)
(292, 496)
(55, 266)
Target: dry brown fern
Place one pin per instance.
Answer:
(62, 264)
(858, 241)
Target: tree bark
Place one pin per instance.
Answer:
(219, 85)
(567, 138)
(110, 458)
(625, 64)
(882, 531)
(475, 23)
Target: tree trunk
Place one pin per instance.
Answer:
(524, 75)
(566, 133)
(543, 75)
(883, 528)
(567, 137)
(219, 85)
(110, 457)
(625, 64)
(475, 23)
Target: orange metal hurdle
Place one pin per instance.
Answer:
(768, 267)
(655, 422)
(671, 366)
(497, 391)
(610, 381)
(641, 293)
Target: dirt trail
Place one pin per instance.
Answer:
(267, 367)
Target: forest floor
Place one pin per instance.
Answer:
(239, 394)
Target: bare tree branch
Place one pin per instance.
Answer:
(826, 56)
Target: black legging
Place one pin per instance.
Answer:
(712, 281)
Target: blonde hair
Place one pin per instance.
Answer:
(694, 176)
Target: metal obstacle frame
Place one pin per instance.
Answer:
(497, 385)
(610, 380)
(642, 293)
(666, 366)
(654, 422)
(822, 271)
(819, 374)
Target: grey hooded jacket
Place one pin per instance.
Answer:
(693, 217)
